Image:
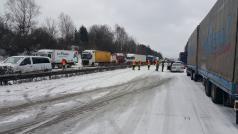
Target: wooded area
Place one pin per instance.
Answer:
(20, 33)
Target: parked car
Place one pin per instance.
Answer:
(24, 64)
(169, 64)
(177, 67)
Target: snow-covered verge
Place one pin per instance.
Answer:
(44, 90)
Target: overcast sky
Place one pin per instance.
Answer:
(165, 25)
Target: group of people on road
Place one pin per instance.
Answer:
(156, 63)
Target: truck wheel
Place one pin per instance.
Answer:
(208, 88)
(216, 94)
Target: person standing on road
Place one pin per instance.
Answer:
(63, 62)
(148, 64)
(139, 64)
(162, 66)
(157, 65)
(133, 65)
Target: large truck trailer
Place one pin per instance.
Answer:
(70, 56)
(213, 53)
(135, 57)
(96, 57)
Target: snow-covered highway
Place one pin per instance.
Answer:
(115, 102)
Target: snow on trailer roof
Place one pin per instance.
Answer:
(130, 55)
(89, 51)
(46, 50)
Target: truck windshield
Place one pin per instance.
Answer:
(13, 60)
(86, 56)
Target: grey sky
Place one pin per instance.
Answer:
(165, 25)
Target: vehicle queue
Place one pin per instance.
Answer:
(63, 59)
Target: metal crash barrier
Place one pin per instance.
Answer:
(4, 79)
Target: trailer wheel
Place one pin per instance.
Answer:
(194, 77)
(208, 88)
(188, 74)
(191, 75)
(237, 117)
(216, 94)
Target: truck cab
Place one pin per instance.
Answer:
(88, 58)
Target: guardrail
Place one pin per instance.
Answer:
(4, 79)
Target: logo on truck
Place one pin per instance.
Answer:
(62, 54)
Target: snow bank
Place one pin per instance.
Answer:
(36, 91)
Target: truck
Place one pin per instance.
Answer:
(57, 56)
(96, 57)
(118, 58)
(213, 54)
(135, 57)
(183, 57)
(151, 58)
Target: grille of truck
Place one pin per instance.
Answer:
(85, 62)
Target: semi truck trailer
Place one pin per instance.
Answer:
(213, 53)
(96, 57)
(135, 57)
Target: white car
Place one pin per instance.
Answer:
(177, 67)
(24, 64)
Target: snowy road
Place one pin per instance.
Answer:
(116, 102)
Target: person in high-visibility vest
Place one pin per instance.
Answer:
(139, 64)
(162, 66)
(157, 65)
(133, 65)
(63, 62)
(148, 64)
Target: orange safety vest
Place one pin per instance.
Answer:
(148, 62)
(134, 63)
(63, 62)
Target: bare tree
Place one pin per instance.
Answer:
(121, 37)
(50, 27)
(66, 27)
(22, 14)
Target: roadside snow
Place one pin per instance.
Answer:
(36, 91)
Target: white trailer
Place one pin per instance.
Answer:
(135, 57)
(56, 56)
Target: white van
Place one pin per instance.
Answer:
(23, 64)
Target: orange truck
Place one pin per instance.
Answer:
(96, 57)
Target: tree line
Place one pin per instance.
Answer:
(21, 34)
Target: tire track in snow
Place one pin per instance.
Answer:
(99, 103)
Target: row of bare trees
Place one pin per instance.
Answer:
(20, 33)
